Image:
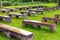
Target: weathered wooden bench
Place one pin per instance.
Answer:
(7, 18)
(29, 13)
(35, 13)
(57, 7)
(42, 11)
(17, 15)
(4, 10)
(45, 9)
(57, 15)
(40, 8)
(55, 20)
(24, 8)
(30, 7)
(49, 9)
(52, 8)
(16, 32)
(32, 12)
(37, 24)
(13, 9)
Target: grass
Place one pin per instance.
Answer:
(23, 5)
(38, 34)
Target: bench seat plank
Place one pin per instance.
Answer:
(24, 35)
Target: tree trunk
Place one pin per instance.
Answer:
(58, 2)
(0, 3)
(32, 0)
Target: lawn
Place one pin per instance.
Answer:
(38, 34)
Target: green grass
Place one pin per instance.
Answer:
(38, 34)
(45, 4)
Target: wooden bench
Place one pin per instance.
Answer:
(30, 7)
(4, 10)
(49, 9)
(42, 11)
(57, 7)
(52, 8)
(16, 15)
(24, 8)
(37, 24)
(7, 18)
(13, 9)
(32, 12)
(43, 8)
(55, 20)
(29, 13)
(57, 15)
(16, 32)
(40, 8)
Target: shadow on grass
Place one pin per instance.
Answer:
(14, 38)
(46, 30)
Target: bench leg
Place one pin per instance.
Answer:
(28, 14)
(22, 37)
(1, 31)
(3, 11)
(53, 28)
(54, 8)
(23, 25)
(57, 16)
(16, 16)
(35, 26)
(49, 10)
(35, 14)
(1, 18)
(42, 12)
(44, 20)
(8, 34)
(15, 10)
(11, 10)
(39, 26)
(10, 15)
(24, 17)
(56, 21)
(27, 38)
